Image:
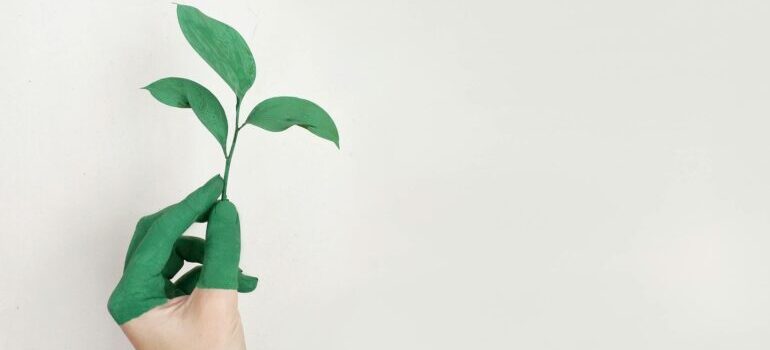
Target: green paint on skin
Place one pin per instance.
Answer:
(223, 247)
(158, 250)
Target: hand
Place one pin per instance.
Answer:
(199, 310)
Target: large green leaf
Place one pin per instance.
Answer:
(220, 46)
(185, 93)
(280, 113)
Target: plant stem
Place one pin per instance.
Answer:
(229, 156)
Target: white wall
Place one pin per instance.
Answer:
(513, 174)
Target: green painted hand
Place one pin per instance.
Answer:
(153, 311)
(158, 250)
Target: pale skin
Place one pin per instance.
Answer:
(206, 319)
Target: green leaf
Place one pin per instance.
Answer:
(220, 46)
(280, 113)
(185, 93)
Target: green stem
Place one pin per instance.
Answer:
(229, 156)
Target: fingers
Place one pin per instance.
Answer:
(192, 249)
(188, 281)
(186, 248)
(155, 248)
(143, 285)
(139, 232)
(223, 248)
(246, 283)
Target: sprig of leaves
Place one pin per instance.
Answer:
(225, 50)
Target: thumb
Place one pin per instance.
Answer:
(223, 248)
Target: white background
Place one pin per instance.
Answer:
(513, 174)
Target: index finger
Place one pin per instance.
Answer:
(155, 248)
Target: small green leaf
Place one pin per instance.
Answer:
(280, 113)
(220, 46)
(185, 93)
